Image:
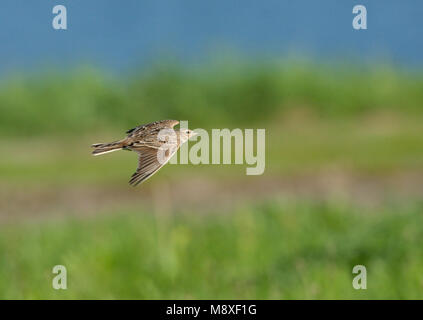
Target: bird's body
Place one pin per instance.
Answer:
(155, 143)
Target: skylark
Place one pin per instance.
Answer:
(155, 143)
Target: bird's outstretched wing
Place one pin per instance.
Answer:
(162, 124)
(151, 159)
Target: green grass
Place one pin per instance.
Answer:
(315, 116)
(233, 95)
(295, 146)
(277, 250)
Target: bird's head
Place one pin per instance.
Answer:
(185, 134)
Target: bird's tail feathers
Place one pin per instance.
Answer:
(102, 148)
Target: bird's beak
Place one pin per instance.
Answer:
(193, 134)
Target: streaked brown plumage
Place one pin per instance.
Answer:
(155, 143)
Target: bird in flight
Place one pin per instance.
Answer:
(155, 144)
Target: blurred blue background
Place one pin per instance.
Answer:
(117, 35)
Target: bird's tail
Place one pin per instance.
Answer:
(102, 148)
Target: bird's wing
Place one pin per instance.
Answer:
(167, 123)
(151, 159)
(158, 124)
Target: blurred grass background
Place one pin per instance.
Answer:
(342, 186)
(278, 250)
(223, 94)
